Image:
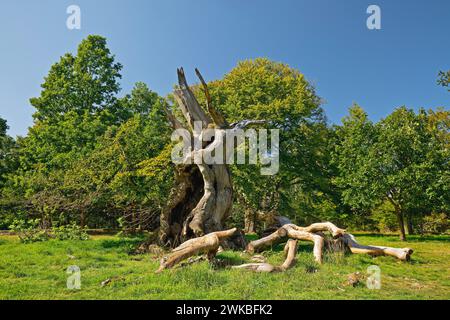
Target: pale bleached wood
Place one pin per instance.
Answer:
(403, 254)
(270, 240)
(314, 233)
(208, 244)
(292, 232)
(290, 251)
(322, 226)
(256, 267)
(189, 214)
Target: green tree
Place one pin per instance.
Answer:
(351, 156)
(77, 105)
(77, 118)
(444, 79)
(108, 183)
(397, 160)
(8, 154)
(86, 82)
(263, 89)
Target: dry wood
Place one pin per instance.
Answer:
(314, 233)
(290, 251)
(403, 254)
(202, 196)
(208, 244)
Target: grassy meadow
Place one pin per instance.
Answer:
(38, 271)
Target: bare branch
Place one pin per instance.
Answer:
(217, 117)
(245, 123)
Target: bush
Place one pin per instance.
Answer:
(29, 231)
(385, 218)
(436, 223)
(70, 232)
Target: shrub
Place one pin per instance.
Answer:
(435, 223)
(70, 232)
(384, 217)
(29, 231)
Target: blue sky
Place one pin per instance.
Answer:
(328, 41)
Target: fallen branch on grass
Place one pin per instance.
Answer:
(208, 244)
(290, 250)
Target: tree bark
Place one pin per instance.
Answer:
(399, 214)
(409, 224)
(401, 225)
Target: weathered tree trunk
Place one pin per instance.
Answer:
(401, 224)
(203, 195)
(409, 224)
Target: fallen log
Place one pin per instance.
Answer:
(208, 244)
(403, 254)
(293, 232)
(290, 251)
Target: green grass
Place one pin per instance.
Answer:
(38, 271)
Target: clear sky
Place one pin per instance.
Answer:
(328, 41)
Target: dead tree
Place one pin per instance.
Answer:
(315, 234)
(202, 197)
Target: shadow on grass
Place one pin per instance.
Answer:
(129, 245)
(231, 260)
(394, 237)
